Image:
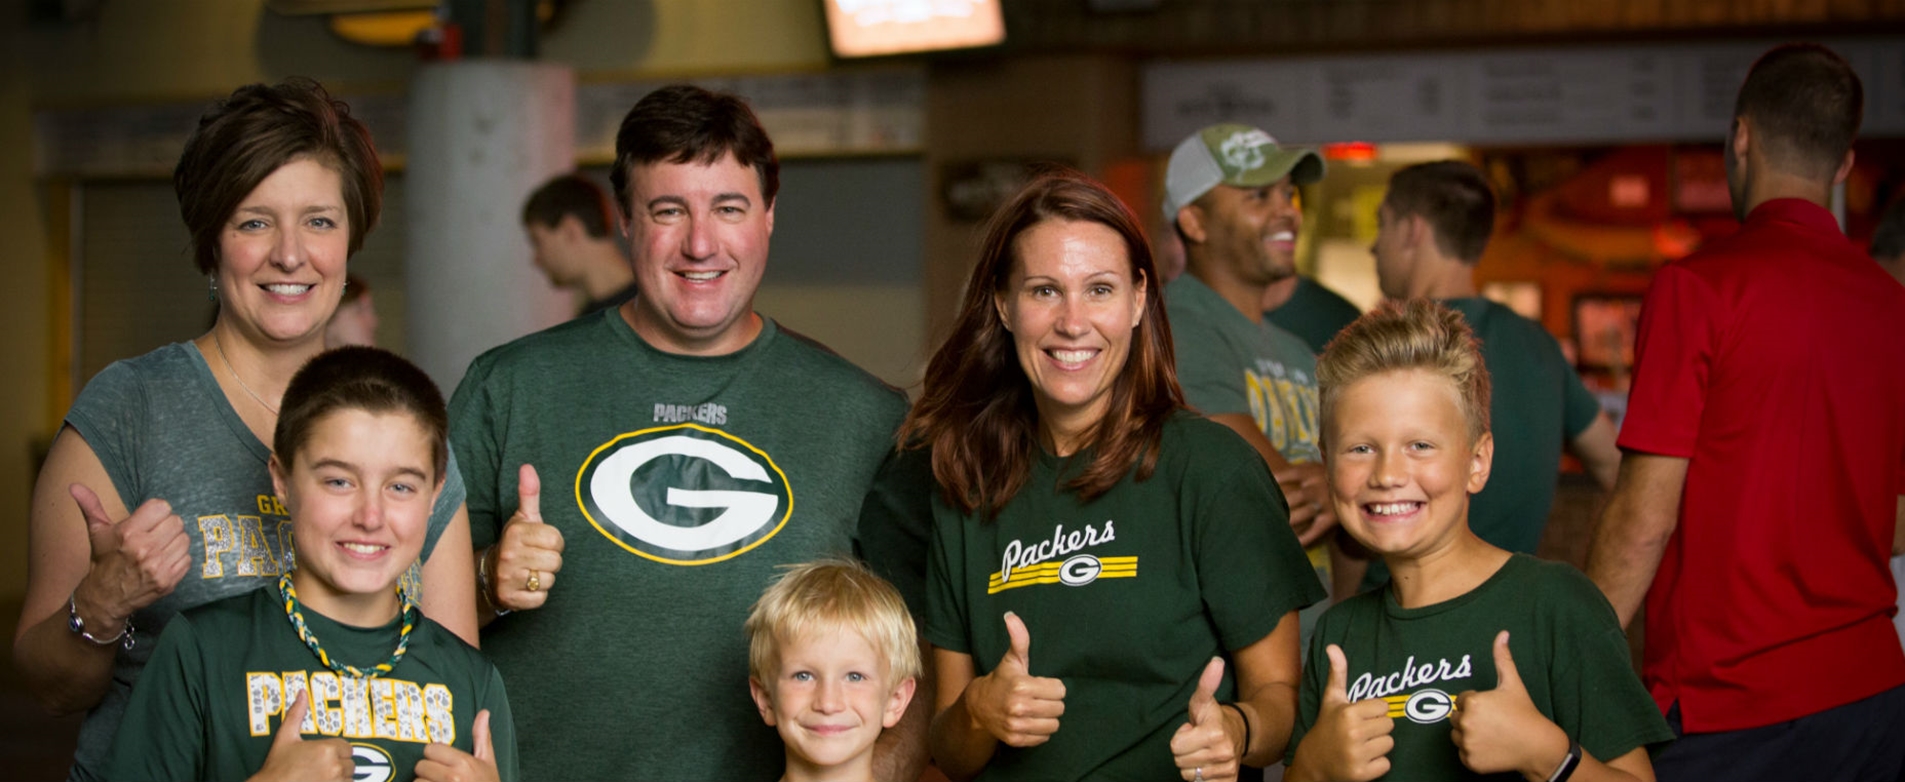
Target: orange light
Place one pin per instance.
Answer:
(1350, 151)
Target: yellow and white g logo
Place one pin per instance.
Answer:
(370, 763)
(684, 494)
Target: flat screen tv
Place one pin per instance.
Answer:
(877, 28)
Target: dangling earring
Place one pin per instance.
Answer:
(212, 295)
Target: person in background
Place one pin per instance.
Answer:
(355, 322)
(1432, 228)
(697, 447)
(1113, 584)
(571, 224)
(1765, 449)
(156, 496)
(1308, 309)
(1230, 193)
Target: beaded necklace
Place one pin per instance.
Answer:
(293, 611)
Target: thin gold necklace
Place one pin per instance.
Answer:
(241, 381)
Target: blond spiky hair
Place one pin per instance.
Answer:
(1416, 334)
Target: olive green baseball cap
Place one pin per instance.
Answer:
(1235, 155)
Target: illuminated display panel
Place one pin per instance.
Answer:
(869, 28)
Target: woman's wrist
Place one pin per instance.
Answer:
(98, 614)
(1240, 735)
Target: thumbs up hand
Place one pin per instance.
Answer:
(522, 565)
(135, 560)
(1501, 730)
(1206, 747)
(1010, 703)
(444, 763)
(1350, 741)
(293, 758)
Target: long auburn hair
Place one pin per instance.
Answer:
(976, 412)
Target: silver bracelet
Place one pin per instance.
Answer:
(123, 638)
(482, 580)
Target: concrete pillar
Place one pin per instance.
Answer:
(483, 134)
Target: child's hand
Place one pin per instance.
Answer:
(291, 757)
(1010, 703)
(526, 557)
(1501, 730)
(1204, 747)
(444, 763)
(1350, 741)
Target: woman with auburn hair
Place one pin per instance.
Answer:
(156, 496)
(1146, 550)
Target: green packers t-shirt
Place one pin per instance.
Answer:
(1228, 364)
(1126, 597)
(213, 696)
(1568, 648)
(681, 485)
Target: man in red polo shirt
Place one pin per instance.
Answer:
(1765, 452)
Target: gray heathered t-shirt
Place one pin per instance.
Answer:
(162, 428)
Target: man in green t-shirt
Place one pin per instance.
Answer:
(1230, 192)
(689, 446)
(1432, 227)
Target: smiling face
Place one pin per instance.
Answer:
(281, 254)
(1253, 230)
(1401, 463)
(830, 697)
(1072, 305)
(359, 491)
(699, 234)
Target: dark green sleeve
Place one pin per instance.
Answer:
(447, 502)
(1208, 371)
(948, 618)
(162, 736)
(1598, 700)
(896, 524)
(473, 441)
(1250, 568)
(1579, 408)
(502, 728)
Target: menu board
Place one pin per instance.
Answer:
(1550, 95)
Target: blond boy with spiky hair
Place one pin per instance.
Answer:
(833, 659)
(1472, 661)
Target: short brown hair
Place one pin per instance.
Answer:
(360, 378)
(1398, 335)
(1454, 198)
(976, 411)
(570, 195)
(832, 596)
(1806, 104)
(683, 123)
(257, 130)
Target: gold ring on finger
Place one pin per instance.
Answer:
(534, 583)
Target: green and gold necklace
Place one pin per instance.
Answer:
(292, 610)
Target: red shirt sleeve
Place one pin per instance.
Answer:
(1672, 357)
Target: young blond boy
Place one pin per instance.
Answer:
(832, 660)
(1472, 660)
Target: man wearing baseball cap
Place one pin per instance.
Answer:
(1230, 192)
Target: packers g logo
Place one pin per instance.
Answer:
(370, 764)
(1428, 706)
(683, 494)
(1080, 570)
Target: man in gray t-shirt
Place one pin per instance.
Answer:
(1230, 192)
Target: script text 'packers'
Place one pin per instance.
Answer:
(684, 494)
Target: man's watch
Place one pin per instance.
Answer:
(78, 626)
(1568, 764)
